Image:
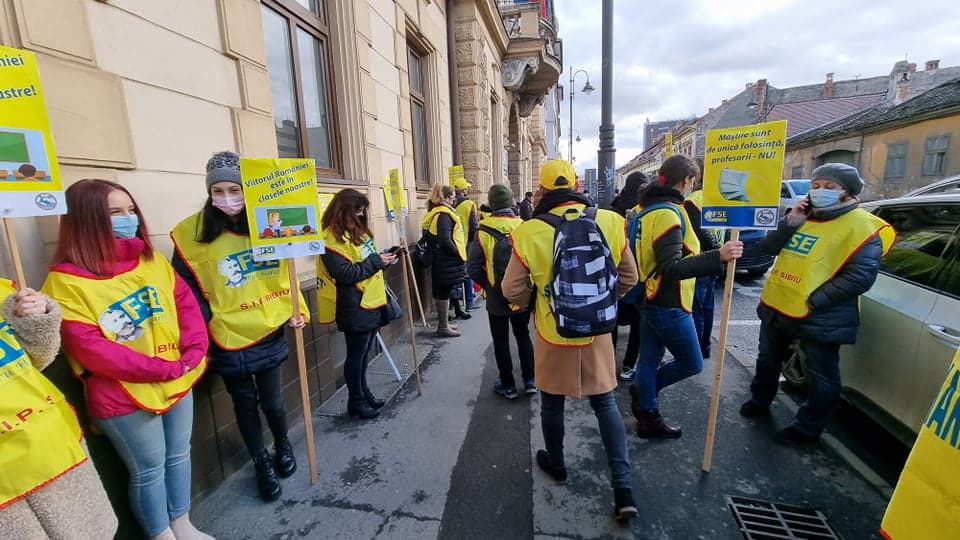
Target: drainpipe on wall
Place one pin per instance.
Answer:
(454, 85)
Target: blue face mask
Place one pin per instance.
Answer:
(125, 226)
(823, 197)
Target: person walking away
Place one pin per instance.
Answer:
(628, 313)
(466, 209)
(526, 206)
(828, 253)
(350, 281)
(248, 344)
(573, 366)
(134, 335)
(669, 257)
(703, 295)
(50, 489)
(449, 270)
(488, 259)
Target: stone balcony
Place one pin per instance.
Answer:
(534, 58)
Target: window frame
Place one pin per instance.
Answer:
(314, 24)
(903, 163)
(796, 172)
(935, 153)
(953, 242)
(420, 98)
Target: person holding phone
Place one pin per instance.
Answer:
(352, 292)
(828, 253)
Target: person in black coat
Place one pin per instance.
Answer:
(449, 269)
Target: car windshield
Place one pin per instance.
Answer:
(800, 187)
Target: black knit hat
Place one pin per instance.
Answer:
(223, 167)
(843, 174)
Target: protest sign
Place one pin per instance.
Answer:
(282, 207)
(668, 144)
(30, 180)
(743, 169)
(454, 172)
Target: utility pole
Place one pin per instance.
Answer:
(607, 155)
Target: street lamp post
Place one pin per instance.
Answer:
(587, 89)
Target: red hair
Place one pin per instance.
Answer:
(86, 235)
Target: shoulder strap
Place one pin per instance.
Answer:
(552, 220)
(497, 235)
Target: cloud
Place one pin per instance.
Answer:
(677, 59)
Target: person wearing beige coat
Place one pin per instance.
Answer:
(575, 367)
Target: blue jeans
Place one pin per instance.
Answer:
(669, 328)
(156, 450)
(703, 301)
(823, 376)
(611, 432)
(468, 284)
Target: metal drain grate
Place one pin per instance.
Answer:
(764, 520)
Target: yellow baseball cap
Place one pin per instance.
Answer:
(460, 183)
(558, 174)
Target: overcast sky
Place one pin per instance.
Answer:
(676, 58)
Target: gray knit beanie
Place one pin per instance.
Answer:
(223, 167)
(500, 196)
(843, 174)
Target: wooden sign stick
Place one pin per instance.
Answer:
(409, 311)
(416, 288)
(302, 365)
(721, 352)
(15, 253)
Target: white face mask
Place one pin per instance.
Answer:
(733, 185)
(230, 206)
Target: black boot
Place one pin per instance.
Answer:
(650, 425)
(461, 314)
(372, 400)
(283, 460)
(267, 481)
(624, 508)
(360, 408)
(557, 472)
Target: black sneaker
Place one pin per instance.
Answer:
(557, 472)
(627, 373)
(509, 392)
(267, 482)
(284, 461)
(752, 409)
(530, 387)
(794, 437)
(624, 508)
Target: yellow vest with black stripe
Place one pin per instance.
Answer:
(465, 209)
(459, 235)
(373, 290)
(533, 245)
(136, 309)
(502, 224)
(39, 433)
(249, 300)
(814, 255)
(652, 227)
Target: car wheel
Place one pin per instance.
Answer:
(756, 272)
(794, 369)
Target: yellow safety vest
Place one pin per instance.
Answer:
(484, 215)
(136, 309)
(814, 255)
(249, 300)
(533, 245)
(697, 199)
(373, 290)
(459, 236)
(464, 210)
(653, 226)
(39, 433)
(502, 224)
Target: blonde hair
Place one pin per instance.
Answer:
(438, 193)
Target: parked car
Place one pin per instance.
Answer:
(909, 319)
(791, 191)
(754, 262)
(947, 185)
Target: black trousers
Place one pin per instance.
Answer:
(261, 391)
(500, 332)
(355, 365)
(630, 314)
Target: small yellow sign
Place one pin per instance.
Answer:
(29, 172)
(283, 208)
(454, 172)
(396, 190)
(742, 174)
(668, 144)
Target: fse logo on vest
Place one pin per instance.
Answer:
(239, 266)
(126, 317)
(801, 243)
(10, 350)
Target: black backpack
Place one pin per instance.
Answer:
(583, 292)
(502, 251)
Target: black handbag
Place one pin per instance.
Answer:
(424, 251)
(391, 311)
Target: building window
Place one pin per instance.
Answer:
(896, 161)
(797, 172)
(935, 156)
(295, 35)
(418, 117)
